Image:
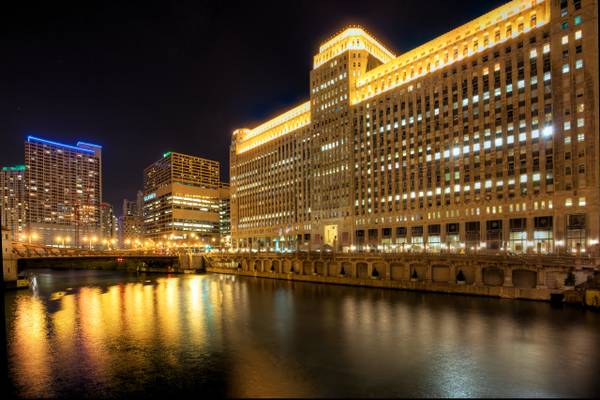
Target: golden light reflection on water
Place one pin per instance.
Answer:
(31, 343)
(270, 338)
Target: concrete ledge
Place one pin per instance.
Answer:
(425, 286)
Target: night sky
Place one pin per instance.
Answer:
(142, 78)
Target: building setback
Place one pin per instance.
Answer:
(483, 138)
(63, 191)
(183, 198)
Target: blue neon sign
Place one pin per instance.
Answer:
(44, 141)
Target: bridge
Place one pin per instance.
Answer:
(19, 256)
(509, 276)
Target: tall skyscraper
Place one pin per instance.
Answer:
(182, 198)
(483, 138)
(63, 191)
(12, 197)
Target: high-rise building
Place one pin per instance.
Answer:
(483, 138)
(12, 198)
(108, 221)
(131, 221)
(182, 198)
(63, 191)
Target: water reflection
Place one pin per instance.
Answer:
(104, 334)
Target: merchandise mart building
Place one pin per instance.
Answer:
(483, 138)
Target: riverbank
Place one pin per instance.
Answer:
(422, 286)
(540, 278)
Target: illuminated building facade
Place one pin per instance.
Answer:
(108, 221)
(483, 138)
(12, 196)
(182, 198)
(63, 191)
(131, 221)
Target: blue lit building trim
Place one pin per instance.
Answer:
(89, 144)
(44, 141)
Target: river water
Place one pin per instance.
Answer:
(106, 334)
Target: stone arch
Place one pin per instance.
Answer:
(379, 270)
(420, 269)
(468, 272)
(524, 278)
(244, 265)
(347, 268)
(441, 273)
(266, 265)
(306, 268)
(398, 272)
(257, 265)
(275, 266)
(362, 270)
(319, 267)
(332, 268)
(493, 276)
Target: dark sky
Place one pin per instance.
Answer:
(142, 78)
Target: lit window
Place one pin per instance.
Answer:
(578, 35)
(577, 20)
(546, 48)
(548, 131)
(578, 64)
(565, 39)
(565, 68)
(580, 122)
(580, 137)
(568, 202)
(582, 202)
(523, 178)
(567, 139)
(567, 125)
(533, 53)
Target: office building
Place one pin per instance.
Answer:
(484, 138)
(182, 199)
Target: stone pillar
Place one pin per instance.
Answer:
(388, 272)
(452, 273)
(541, 278)
(478, 275)
(508, 277)
(428, 272)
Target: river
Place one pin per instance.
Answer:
(107, 334)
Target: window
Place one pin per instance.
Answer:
(568, 202)
(565, 39)
(577, 20)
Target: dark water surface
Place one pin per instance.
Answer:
(107, 334)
